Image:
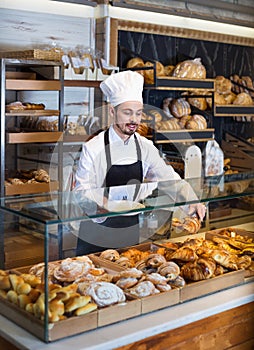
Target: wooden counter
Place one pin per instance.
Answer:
(218, 321)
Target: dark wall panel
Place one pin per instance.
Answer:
(218, 58)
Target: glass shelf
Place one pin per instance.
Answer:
(61, 207)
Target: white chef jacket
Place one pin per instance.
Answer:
(92, 168)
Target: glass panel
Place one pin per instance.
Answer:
(64, 207)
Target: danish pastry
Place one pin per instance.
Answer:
(170, 270)
(105, 293)
(142, 289)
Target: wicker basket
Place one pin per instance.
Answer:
(38, 54)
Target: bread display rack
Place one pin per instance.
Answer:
(30, 313)
(17, 76)
(175, 84)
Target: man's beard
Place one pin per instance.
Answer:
(124, 131)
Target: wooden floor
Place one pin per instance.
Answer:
(233, 329)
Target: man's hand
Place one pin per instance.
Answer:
(199, 209)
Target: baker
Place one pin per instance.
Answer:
(116, 162)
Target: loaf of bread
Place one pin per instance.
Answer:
(243, 99)
(222, 85)
(149, 73)
(170, 124)
(180, 107)
(168, 70)
(136, 62)
(198, 102)
(192, 69)
(196, 122)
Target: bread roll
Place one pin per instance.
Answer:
(243, 99)
(190, 69)
(198, 102)
(218, 100)
(156, 114)
(184, 120)
(222, 85)
(149, 74)
(168, 70)
(196, 122)
(135, 63)
(229, 98)
(170, 124)
(180, 107)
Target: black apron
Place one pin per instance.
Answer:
(118, 231)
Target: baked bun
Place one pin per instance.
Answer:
(135, 63)
(229, 98)
(168, 70)
(149, 73)
(218, 100)
(180, 107)
(184, 120)
(198, 102)
(196, 122)
(222, 85)
(170, 124)
(153, 113)
(243, 99)
(190, 69)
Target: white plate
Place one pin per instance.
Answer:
(123, 206)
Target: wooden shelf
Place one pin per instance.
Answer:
(75, 138)
(82, 83)
(34, 137)
(11, 190)
(167, 136)
(233, 110)
(33, 112)
(33, 85)
(172, 83)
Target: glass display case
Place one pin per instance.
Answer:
(36, 229)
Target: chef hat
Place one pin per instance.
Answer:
(122, 87)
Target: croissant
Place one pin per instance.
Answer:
(244, 262)
(41, 175)
(198, 270)
(225, 259)
(184, 254)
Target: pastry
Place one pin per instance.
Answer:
(178, 282)
(156, 278)
(41, 175)
(142, 289)
(131, 272)
(85, 309)
(69, 270)
(198, 270)
(225, 259)
(105, 293)
(110, 254)
(77, 302)
(126, 282)
(184, 254)
(170, 270)
(155, 260)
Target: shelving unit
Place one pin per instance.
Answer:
(17, 75)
